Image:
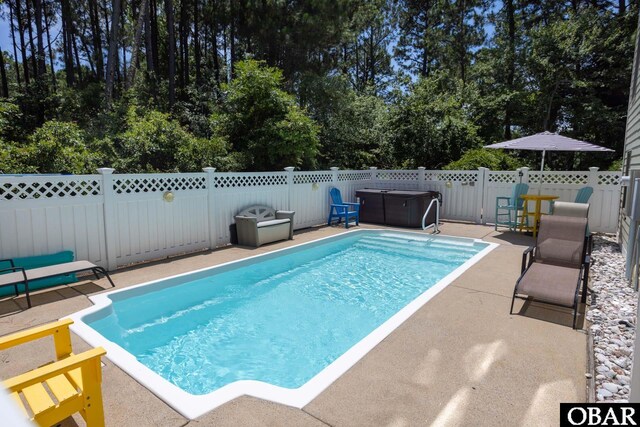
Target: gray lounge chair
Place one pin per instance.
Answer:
(579, 210)
(13, 276)
(553, 269)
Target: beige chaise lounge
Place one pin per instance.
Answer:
(556, 265)
(20, 275)
(258, 225)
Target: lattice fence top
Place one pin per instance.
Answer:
(354, 176)
(609, 178)
(397, 175)
(233, 180)
(453, 176)
(577, 178)
(504, 177)
(149, 183)
(311, 177)
(50, 187)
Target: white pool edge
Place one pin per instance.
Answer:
(193, 406)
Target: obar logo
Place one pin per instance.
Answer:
(602, 414)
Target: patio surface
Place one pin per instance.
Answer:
(459, 360)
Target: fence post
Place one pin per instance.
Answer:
(374, 176)
(482, 184)
(334, 175)
(593, 176)
(421, 174)
(289, 170)
(525, 174)
(109, 212)
(211, 206)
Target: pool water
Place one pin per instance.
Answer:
(283, 318)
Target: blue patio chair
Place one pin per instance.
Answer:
(342, 210)
(510, 206)
(583, 195)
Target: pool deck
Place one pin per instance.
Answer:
(460, 360)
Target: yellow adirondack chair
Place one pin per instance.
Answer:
(73, 381)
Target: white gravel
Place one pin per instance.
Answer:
(613, 318)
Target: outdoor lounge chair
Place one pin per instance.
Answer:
(342, 210)
(507, 208)
(553, 269)
(70, 384)
(14, 276)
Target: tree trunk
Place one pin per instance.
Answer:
(622, 7)
(77, 55)
(196, 41)
(3, 77)
(106, 20)
(153, 17)
(113, 51)
(214, 52)
(67, 43)
(96, 37)
(90, 58)
(232, 39)
(142, 15)
(23, 47)
(32, 46)
(41, 57)
(168, 4)
(123, 18)
(15, 49)
(180, 54)
(148, 45)
(184, 40)
(462, 44)
(51, 62)
(511, 64)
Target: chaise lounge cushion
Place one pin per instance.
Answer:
(550, 283)
(36, 262)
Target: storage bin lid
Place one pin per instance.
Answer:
(408, 193)
(374, 191)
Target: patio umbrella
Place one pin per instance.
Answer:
(547, 141)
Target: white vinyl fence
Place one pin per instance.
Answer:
(118, 219)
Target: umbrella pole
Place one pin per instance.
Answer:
(541, 173)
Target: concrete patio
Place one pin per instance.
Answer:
(460, 360)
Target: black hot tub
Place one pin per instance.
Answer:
(396, 207)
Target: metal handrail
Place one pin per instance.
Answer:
(437, 221)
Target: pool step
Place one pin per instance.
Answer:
(431, 256)
(417, 245)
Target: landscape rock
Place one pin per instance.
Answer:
(613, 319)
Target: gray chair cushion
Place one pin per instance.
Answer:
(550, 283)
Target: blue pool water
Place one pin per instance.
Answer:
(281, 318)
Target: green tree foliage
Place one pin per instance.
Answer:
(153, 142)
(56, 147)
(432, 125)
(262, 123)
(485, 158)
(353, 126)
(252, 85)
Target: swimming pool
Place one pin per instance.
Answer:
(280, 326)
